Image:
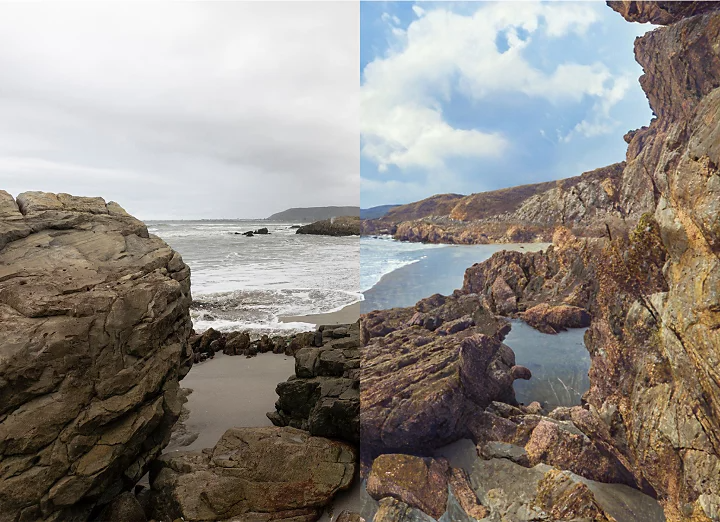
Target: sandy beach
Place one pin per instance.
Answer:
(346, 315)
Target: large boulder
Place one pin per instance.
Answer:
(253, 475)
(94, 324)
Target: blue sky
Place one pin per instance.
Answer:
(474, 96)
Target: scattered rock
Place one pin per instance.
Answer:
(323, 397)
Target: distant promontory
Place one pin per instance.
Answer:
(312, 214)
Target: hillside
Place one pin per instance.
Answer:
(584, 203)
(376, 212)
(311, 214)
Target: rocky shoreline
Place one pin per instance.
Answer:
(95, 337)
(643, 445)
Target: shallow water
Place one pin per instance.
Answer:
(247, 283)
(559, 364)
(232, 391)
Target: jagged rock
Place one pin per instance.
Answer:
(513, 492)
(392, 510)
(323, 397)
(654, 340)
(419, 392)
(94, 321)
(339, 226)
(420, 483)
(253, 474)
(553, 319)
(660, 13)
(563, 275)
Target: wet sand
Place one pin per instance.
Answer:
(347, 315)
(232, 391)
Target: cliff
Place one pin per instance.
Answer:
(94, 321)
(655, 340)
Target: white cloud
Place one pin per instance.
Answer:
(445, 53)
(419, 11)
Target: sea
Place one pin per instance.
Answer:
(398, 274)
(249, 283)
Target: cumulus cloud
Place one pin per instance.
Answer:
(182, 109)
(445, 54)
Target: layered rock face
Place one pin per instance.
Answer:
(655, 341)
(253, 475)
(435, 369)
(94, 321)
(323, 397)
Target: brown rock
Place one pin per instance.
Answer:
(94, 324)
(460, 485)
(254, 474)
(660, 13)
(417, 482)
(553, 319)
(124, 508)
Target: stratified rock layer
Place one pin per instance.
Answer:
(426, 371)
(253, 475)
(527, 213)
(94, 324)
(655, 336)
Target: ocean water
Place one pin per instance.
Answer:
(399, 274)
(248, 283)
(396, 274)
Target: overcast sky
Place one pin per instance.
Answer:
(472, 96)
(182, 109)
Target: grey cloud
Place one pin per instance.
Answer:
(193, 109)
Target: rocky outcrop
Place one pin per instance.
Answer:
(323, 397)
(660, 13)
(654, 340)
(551, 290)
(339, 226)
(94, 321)
(424, 379)
(252, 475)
